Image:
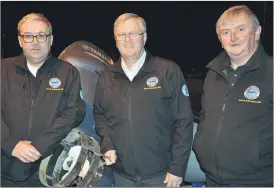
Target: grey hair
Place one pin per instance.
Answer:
(236, 11)
(34, 17)
(126, 16)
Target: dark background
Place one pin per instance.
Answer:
(181, 31)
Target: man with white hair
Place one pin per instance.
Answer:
(143, 113)
(234, 141)
(40, 103)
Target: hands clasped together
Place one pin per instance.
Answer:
(25, 152)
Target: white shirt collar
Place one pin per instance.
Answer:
(131, 73)
(33, 69)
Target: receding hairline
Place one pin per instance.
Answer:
(128, 16)
(237, 12)
(34, 17)
(230, 18)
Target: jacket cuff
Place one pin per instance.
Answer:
(8, 144)
(106, 145)
(43, 148)
(177, 169)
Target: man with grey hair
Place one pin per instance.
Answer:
(143, 113)
(234, 141)
(40, 103)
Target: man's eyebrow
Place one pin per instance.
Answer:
(26, 33)
(121, 33)
(37, 33)
(242, 25)
(225, 29)
(127, 32)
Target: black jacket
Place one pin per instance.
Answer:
(37, 109)
(234, 143)
(147, 121)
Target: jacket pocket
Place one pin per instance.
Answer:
(62, 104)
(195, 143)
(197, 134)
(199, 146)
(112, 100)
(265, 152)
(15, 170)
(16, 91)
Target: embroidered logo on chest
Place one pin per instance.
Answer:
(54, 82)
(252, 92)
(151, 83)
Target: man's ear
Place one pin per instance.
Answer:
(145, 38)
(258, 33)
(51, 40)
(20, 41)
(220, 40)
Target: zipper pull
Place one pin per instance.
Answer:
(31, 106)
(223, 109)
(129, 88)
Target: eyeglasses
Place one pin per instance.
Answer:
(131, 36)
(40, 38)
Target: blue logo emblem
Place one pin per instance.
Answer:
(153, 81)
(252, 92)
(185, 90)
(82, 95)
(54, 82)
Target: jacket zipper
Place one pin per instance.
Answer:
(130, 124)
(219, 130)
(30, 116)
(33, 95)
(224, 107)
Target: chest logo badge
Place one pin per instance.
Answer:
(252, 92)
(54, 82)
(152, 81)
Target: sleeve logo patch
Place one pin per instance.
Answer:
(185, 90)
(82, 95)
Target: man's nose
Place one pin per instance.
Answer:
(35, 40)
(127, 37)
(233, 36)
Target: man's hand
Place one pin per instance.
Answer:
(172, 180)
(25, 152)
(110, 157)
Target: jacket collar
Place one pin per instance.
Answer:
(147, 66)
(222, 61)
(21, 61)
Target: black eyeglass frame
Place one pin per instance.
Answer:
(125, 35)
(35, 36)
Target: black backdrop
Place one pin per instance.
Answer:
(181, 31)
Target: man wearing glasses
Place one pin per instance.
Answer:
(40, 103)
(143, 113)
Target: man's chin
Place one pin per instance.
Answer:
(130, 55)
(236, 54)
(36, 59)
